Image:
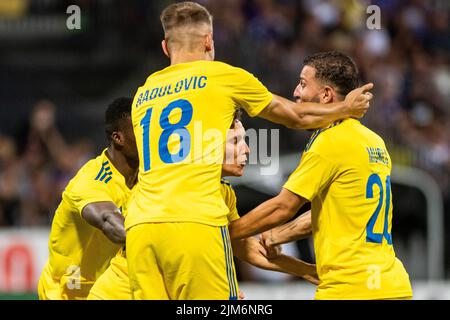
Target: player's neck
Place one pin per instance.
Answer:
(121, 163)
(185, 57)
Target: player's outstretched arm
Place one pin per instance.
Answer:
(251, 251)
(267, 215)
(106, 217)
(310, 115)
(297, 229)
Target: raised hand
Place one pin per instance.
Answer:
(358, 100)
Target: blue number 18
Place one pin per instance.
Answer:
(168, 129)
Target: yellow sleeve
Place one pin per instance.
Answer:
(249, 93)
(229, 196)
(313, 174)
(86, 191)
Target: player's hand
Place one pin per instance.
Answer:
(311, 274)
(272, 251)
(357, 101)
(113, 227)
(241, 295)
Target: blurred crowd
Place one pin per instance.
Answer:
(35, 166)
(408, 59)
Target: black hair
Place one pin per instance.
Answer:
(237, 116)
(335, 69)
(117, 110)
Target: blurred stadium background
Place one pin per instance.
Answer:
(55, 84)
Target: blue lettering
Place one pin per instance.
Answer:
(195, 82)
(154, 93)
(145, 96)
(200, 85)
(377, 155)
(179, 86)
(169, 89)
(139, 101)
(187, 85)
(161, 92)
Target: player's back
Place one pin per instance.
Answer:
(352, 217)
(180, 118)
(79, 253)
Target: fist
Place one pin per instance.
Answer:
(272, 251)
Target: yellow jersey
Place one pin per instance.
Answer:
(345, 173)
(180, 118)
(229, 196)
(79, 252)
(114, 283)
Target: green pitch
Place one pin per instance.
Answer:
(18, 296)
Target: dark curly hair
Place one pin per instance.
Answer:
(335, 69)
(118, 109)
(236, 117)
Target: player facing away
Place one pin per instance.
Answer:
(345, 173)
(180, 117)
(114, 283)
(87, 229)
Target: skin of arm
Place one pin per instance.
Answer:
(310, 115)
(267, 215)
(297, 229)
(106, 217)
(250, 250)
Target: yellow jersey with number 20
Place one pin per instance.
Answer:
(345, 173)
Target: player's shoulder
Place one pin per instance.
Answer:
(327, 140)
(226, 187)
(343, 131)
(96, 170)
(225, 182)
(208, 68)
(356, 133)
(223, 65)
(320, 139)
(372, 135)
(228, 193)
(343, 137)
(227, 69)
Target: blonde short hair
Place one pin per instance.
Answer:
(184, 14)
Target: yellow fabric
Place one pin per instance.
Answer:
(48, 288)
(334, 175)
(229, 196)
(197, 266)
(198, 99)
(114, 283)
(80, 253)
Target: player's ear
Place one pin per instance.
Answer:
(165, 48)
(327, 95)
(209, 42)
(118, 138)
